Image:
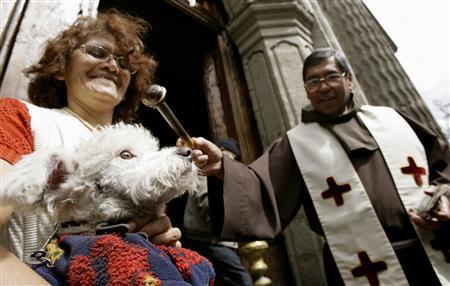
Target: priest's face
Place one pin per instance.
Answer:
(328, 87)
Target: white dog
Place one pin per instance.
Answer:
(119, 173)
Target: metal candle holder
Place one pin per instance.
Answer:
(154, 97)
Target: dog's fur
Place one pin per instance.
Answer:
(117, 174)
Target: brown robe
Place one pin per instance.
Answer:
(258, 201)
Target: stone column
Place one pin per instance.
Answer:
(273, 38)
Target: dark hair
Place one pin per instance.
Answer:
(46, 91)
(321, 54)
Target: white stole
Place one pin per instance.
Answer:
(352, 228)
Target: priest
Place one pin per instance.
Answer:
(361, 173)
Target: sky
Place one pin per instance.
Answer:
(421, 31)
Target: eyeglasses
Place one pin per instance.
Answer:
(332, 80)
(102, 54)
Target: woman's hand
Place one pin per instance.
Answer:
(159, 230)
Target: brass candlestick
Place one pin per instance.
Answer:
(154, 97)
(252, 254)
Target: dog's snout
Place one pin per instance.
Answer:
(184, 151)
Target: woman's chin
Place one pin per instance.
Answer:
(108, 95)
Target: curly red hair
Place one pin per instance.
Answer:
(46, 91)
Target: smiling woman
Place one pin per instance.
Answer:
(93, 73)
(95, 87)
(118, 34)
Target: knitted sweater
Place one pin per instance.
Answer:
(127, 259)
(25, 128)
(15, 130)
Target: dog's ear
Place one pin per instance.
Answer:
(58, 174)
(45, 170)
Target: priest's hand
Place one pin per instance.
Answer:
(426, 222)
(207, 156)
(442, 210)
(435, 217)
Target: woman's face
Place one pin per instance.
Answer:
(93, 83)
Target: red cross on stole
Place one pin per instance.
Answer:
(368, 268)
(414, 170)
(334, 190)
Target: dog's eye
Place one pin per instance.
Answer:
(126, 155)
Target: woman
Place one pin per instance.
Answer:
(93, 73)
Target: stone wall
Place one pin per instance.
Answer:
(26, 26)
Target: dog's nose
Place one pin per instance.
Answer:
(184, 151)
